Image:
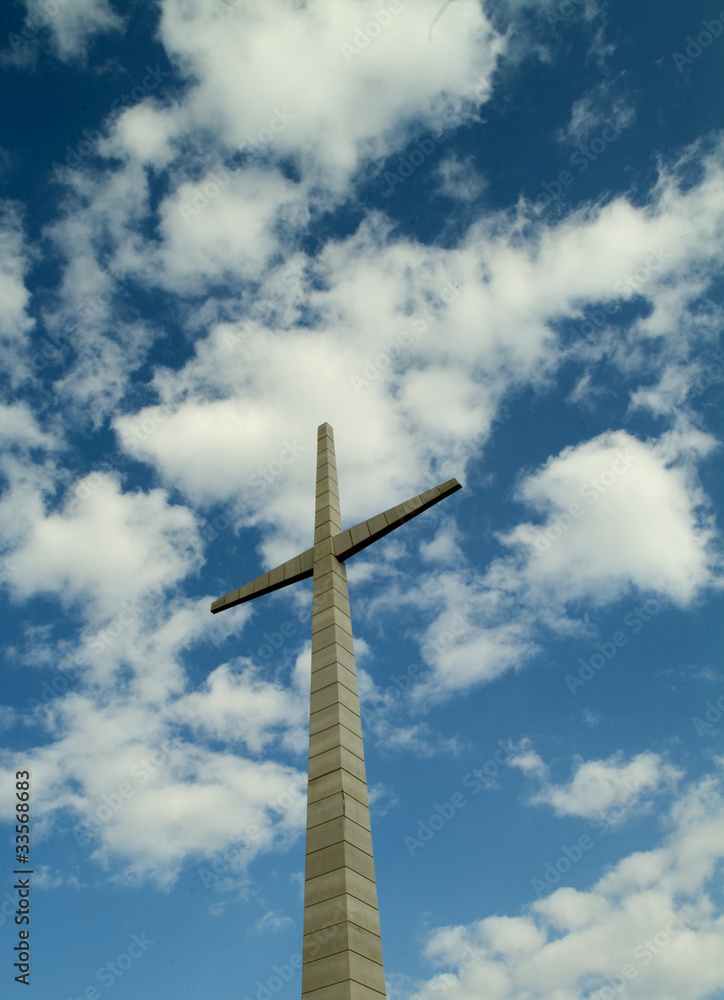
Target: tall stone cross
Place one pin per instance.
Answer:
(342, 955)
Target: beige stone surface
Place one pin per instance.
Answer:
(414, 504)
(328, 564)
(334, 694)
(330, 940)
(334, 672)
(337, 805)
(323, 545)
(430, 494)
(339, 855)
(340, 967)
(334, 615)
(340, 829)
(337, 781)
(292, 567)
(359, 532)
(334, 715)
(332, 654)
(342, 542)
(332, 634)
(330, 498)
(332, 760)
(332, 911)
(377, 523)
(344, 991)
(335, 736)
(329, 598)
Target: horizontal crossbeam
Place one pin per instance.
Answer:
(345, 544)
(298, 568)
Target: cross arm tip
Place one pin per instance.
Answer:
(347, 543)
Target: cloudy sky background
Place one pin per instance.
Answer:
(482, 240)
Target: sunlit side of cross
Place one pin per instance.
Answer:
(342, 956)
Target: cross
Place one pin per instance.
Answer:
(342, 954)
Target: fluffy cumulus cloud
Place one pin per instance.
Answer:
(648, 926)
(114, 717)
(352, 82)
(600, 786)
(108, 548)
(607, 503)
(20, 429)
(119, 780)
(240, 706)
(420, 310)
(233, 206)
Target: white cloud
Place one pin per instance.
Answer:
(15, 260)
(227, 223)
(597, 786)
(476, 633)
(19, 428)
(118, 776)
(237, 706)
(444, 548)
(459, 179)
(651, 924)
(529, 761)
(599, 107)
(330, 90)
(109, 548)
(72, 24)
(273, 921)
(607, 504)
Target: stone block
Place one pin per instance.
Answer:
(334, 715)
(323, 540)
(334, 615)
(429, 495)
(336, 579)
(410, 505)
(340, 937)
(330, 598)
(344, 907)
(337, 830)
(334, 694)
(337, 781)
(330, 498)
(333, 634)
(342, 542)
(334, 672)
(346, 965)
(394, 515)
(345, 991)
(329, 564)
(331, 760)
(335, 736)
(377, 523)
(292, 567)
(333, 654)
(334, 806)
(341, 855)
(359, 533)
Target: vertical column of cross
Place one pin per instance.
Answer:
(342, 947)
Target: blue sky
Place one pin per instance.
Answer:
(482, 240)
